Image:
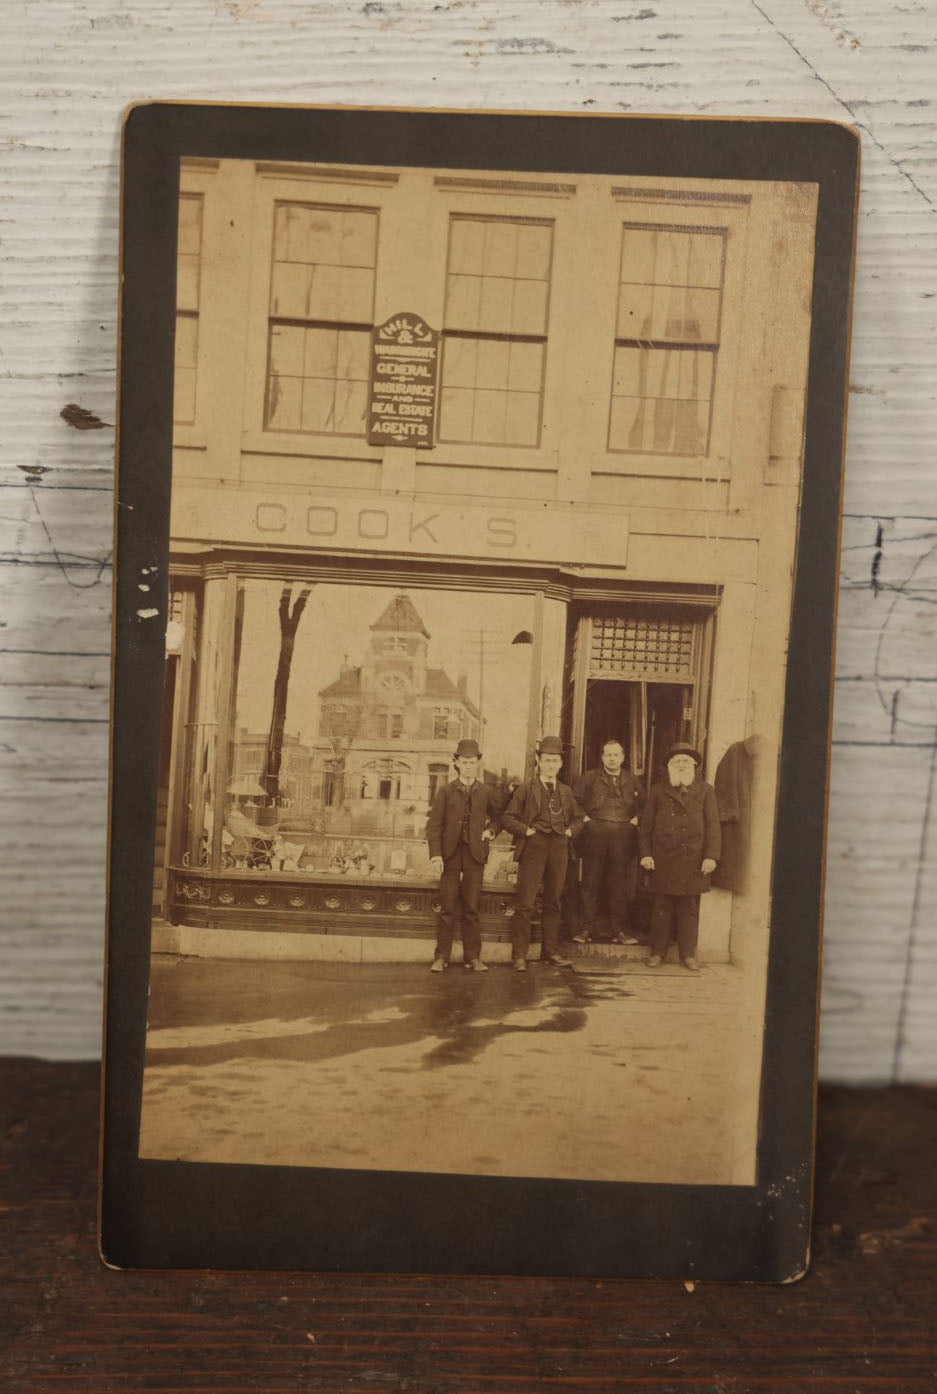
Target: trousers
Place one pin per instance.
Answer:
(674, 911)
(607, 851)
(544, 859)
(460, 895)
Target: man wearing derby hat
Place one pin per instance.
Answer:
(543, 817)
(680, 842)
(463, 820)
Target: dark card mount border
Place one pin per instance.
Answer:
(185, 1215)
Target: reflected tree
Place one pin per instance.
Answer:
(290, 613)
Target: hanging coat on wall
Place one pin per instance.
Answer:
(733, 786)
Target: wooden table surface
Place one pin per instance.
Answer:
(864, 1321)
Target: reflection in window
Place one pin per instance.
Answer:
(188, 293)
(321, 315)
(378, 696)
(495, 329)
(666, 339)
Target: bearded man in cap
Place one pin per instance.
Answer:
(463, 821)
(543, 817)
(680, 842)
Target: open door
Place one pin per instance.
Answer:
(638, 673)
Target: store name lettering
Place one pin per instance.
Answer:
(379, 525)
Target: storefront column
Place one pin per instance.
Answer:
(212, 721)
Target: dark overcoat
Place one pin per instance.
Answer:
(733, 786)
(445, 819)
(680, 829)
(524, 808)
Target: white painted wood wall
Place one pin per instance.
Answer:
(69, 68)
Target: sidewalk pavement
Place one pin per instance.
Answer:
(608, 1071)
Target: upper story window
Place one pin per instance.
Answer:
(188, 291)
(320, 318)
(666, 339)
(495, 329)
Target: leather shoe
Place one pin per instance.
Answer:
(520, 965)
(653, 961)
(692, 964)
(625, 939)
(582, 938)
(559, 961)
(438, 965)
(476, 965)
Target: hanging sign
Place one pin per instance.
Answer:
(402, 389)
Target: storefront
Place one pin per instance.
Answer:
(462, 456)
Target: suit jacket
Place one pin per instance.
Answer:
(524, 808)
(680, 833)
(445, 819)
(592, 790)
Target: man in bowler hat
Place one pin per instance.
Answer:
(543, 818)
(463, 820)
(680, 841)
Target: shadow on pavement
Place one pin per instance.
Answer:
(315, 1011)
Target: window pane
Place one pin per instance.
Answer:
(359, 239)
(318, 405)
(522, 421)
(286, 349)
(463, 298)
(321, 353)
(635, 312)
(529, 308)
(353, 355)
(350, 407)
(493, 360)
(459, 364)
(638, 254)
(322, 296)
(672, 260)
(466, 246)
(706, 260)
(356, 295)
(289, 289)
(533, 252)
(494, 314)
(526, 367)
(284, 403)
(691, 424)
(457, 412)
(629, 378)
(490, 415)
(500, 249)
(702, 312)
(315, 235)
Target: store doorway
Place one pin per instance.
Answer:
(638, 673)
(647, 717)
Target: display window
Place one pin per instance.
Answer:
(345, 705)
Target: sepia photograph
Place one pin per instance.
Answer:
(485, 503)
